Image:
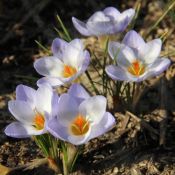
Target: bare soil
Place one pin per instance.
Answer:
(140, 144)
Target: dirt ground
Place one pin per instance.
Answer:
(140, 144)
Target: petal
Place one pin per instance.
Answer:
(54, 82)
(57, 130)
(127, 15)
(77, 91)
(151, 51)
(85, 62)
(49, 66)
(126, 56)
(74, 54)
(106, 124)
(98, 16)
(79, 140)
(158, 67)
(134, 40)
(93, 108)
(68, 109)
(44, 95)
(100, 24)
(19, 130)
(123, 20)
(54, 105)
(22, 111)
(80, 26)
(81, 69)
(112, 12)
(25, 93)
(102, 27)
(117, 73)
(114, 49)
(58, 47)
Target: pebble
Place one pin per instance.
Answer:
(115, 171)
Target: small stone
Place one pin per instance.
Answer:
(115, 171)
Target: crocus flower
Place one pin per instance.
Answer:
(106, 22)
(32, 108)
(136, 60)
(80, 117)
(69, 60)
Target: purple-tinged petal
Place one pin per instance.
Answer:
(123, 20)
(112, 12)
(151, 51)
(79, 140)
(54, 82)
(99, 24)
(57, 130)
(81, 70)
(55, 106)
(98, 16)
(120, 74)
(25, 93)
(159, 66)
(77, 91)
(68, 109)
(19, 130)
(126, 56)
(134, 41)
(55, 127)
(44, 95)
(117, 73)
(127, 16)
(106, 124)
(58, 47)
(114, 49)
(73, 55)
(85, 62)
(22, 111)
(101, 28)
(93, 108)
(49, 66)
(129, 13)
(80, 26)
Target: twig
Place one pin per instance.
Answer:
(124, 124)
(29, 166)
(143, 123)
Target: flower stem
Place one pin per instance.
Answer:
(90, 79)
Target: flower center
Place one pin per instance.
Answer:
(39, 121)
(136, 68)
(69, 71)
(79, 126)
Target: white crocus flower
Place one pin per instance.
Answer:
(135, 59)
(32, 108)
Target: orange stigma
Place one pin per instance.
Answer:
(69, 71)
(136, 68)
(39, 121)
(79, 126)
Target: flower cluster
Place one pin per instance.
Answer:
(76, 117)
